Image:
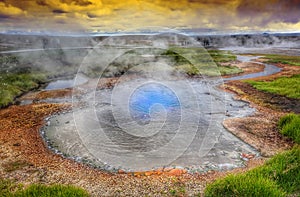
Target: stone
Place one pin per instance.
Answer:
(176, 172)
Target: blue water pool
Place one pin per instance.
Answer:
(150, 99)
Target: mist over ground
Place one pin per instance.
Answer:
(21, 41)
(52, 53)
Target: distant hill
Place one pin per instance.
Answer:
(251, 40)
(21, 40)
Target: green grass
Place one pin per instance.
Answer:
(243, 185)
(10, 189)
(221, 56)
(51, 191)
(289, 126)
(229, 70)
(190, 61)
(15, 80)
(178, 192)
(280, 176)
(14, 84)
(202, 62)
(284, 59)
(285, 86)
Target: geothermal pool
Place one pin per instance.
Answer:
(142, 124)
(153, 129)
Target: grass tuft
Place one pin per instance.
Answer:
(51, 191)
(7, 187)
(278, 177)
(284, 59)
(244, 185)
(285, 86)
(10, 189)
(289, 126)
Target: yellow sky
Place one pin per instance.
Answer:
(131, 15)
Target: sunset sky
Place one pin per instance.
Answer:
(134, 15)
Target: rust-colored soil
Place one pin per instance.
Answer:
(40, 95)
(260, 130)
(26, 159)
(247, 92)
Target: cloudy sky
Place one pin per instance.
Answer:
(131, 15)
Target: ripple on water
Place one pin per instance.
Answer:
(152, 105)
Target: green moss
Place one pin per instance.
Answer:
(14, 84)
(285, 86)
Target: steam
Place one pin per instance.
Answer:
(56, 55)
(63, 55)
(251, 40)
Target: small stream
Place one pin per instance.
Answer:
(268, 70)
(159, 125)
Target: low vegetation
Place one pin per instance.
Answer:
(190, 61)
(8, 60)
(280, 176)
(285, 86)
(289, 126)
(221, 56)
(14, 84)
(202, 62)
(291, 60)
(51, 191)
(10, 189)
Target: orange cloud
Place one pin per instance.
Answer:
(111, 15)
(7, 10)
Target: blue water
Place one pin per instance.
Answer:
(146, 97)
